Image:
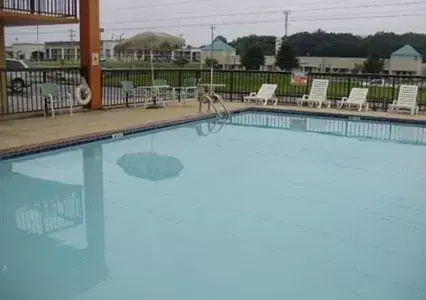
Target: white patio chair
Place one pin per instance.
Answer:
(317, 94)
(135, 94)
(266, 93)
(357, 97)
(407, 99)
(51, 95)
(187, 91)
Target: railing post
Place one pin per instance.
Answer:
(385, 104)
(348, 91)
(126, 99)
(231, 85)
(309, 77)
(179, 83)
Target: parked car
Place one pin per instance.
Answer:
(378, 83)
(18, 75)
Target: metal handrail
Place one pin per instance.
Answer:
(59, 8)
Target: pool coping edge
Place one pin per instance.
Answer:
(25, 150)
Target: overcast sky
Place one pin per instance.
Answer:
(240, 17)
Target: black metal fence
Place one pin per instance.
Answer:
(401, 133)
(60, 8)
(383, 89)
(21, 89)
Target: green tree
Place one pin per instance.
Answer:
(373, 64)
(264, 42)
(286, 58)
(181, 61)
(253, 58)
(221, 38)
(211, 62)
(328, 44)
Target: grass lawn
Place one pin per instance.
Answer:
(111, 64)
(245, 82)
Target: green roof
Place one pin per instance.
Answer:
(218, 45)
(407, 50)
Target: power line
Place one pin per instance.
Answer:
(269, 11)
(399, 14)
(167, 4)
(202, 16)
(269, 21)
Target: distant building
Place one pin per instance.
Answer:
(27, 51)
(70, 50)
(404, 61)
(189, 53)
(62, 50)
(225, 54)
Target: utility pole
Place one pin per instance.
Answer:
(286, 13)
(212, 28)
(38, 45)
(181, 45)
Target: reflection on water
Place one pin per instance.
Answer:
(360, 129)
(210, 127)
(34, 262)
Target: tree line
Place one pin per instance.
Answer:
(375, 48)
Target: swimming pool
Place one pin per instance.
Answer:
(262, 206)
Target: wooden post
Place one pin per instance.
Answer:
(90, 47)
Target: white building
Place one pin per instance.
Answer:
(27, 51)
(62, 50)
(70, 50)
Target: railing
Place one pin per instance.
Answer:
(59, 8)
(23, 93)
(240, 83)
(341, 127)
(23, 86)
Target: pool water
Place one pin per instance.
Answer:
(262, 206)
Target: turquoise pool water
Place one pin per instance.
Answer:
(263, 207)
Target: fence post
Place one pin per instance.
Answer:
(179, 83)
(127, 93)
(349, 85)
(385, 104)
(102, 87)
(231, 85)
(308, 77)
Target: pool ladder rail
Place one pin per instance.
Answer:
(212, 127)
(211, 100)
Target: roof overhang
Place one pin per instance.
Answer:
(8, 18)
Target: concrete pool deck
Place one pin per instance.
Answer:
(19, 134)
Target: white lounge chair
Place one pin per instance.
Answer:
(266, 93)
(317, 94)
(407, 99)
(357, 97)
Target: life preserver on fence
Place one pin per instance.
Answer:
(83, 94)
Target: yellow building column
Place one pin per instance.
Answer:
(90, 47)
